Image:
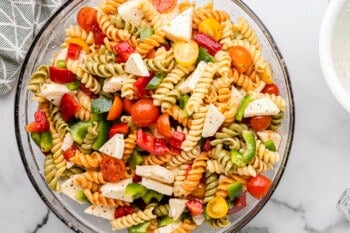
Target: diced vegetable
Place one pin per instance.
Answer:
(176, 139)
(87, 18)
(79, 130)
(186, 52)
(116, 109)
(121, 128)
(208, 43)
(165, 221)
(140, 228)
(258, 186)
(123, 211)
(163, 125)
(102, 137)
(242, 106)
(112, 169)
(146, 32)
(101, 105)
(73, 51)
(155, 81)
(235, 190)
(40, 124)
(195, 206)
(135, 159)
(73, 86)
(45, 141)
(204, 56)
(140, 87)
(144, 113)
(270, 145)
(123, 50)
(248, 155)
(68, 106)
(164, 6)
(241, 58)
(61, 64)
(183, 100)
(60, 75)
(211, 27)
(80, 196)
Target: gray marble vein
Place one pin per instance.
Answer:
(42, 222)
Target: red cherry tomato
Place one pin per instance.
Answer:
(116, 109)
(123, 211)
(73, 51)
(259, 123)
(144, 113)
(87, 18)
(112, 169)
(123, 49)
(195, 206)
(41, 123)
(164, 6)
(271, 89)
(258, 186)
(127, 105)
(163, 125)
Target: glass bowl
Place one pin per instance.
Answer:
(48, 41)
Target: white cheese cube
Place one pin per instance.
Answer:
(53, 92)
(177, 207)
(101, 211)
(114, 147)
(261, 107)
(116, 190)
(136, 66)
(157, 186)
(270, 135)
(155, 172)
(168, 228)
(69, 188)
(67, 142)
(131, 12)
(190, 83)
(198, 219)
(114, 83)
(213, 121)
(180, 27)
(236, 96)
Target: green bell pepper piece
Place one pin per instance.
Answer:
(150, 194)
(79, 130)
(183, 100)
(270, 145)
(234, 190)
(242, 106)
(36, 138)
(73, 85)
(61, 64)
(45, 141)
(135, 190)
(155, 81)
(240, 159)
(203, 55)
(146, 33)
(101, 105)
(80, 196)
(140, 228)
(165, 221)
(135, 159)
(102, 137)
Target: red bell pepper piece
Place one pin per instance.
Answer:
(136, 179)
(145, 141)
(68, 106)
(140, 87)
(176, 139)
(207, 42)
(99, 36)
(173, 151)
(73, 51)
(123, 50)
(60, 75)
(195, 206)
(40, 124)
(160, 147)
(121, 128)
(239, 203)
(87, 91)
(123, 211)
(207, 145)
(70, 152)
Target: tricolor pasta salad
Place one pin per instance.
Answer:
(159, 116)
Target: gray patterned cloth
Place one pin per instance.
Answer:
(20, 21)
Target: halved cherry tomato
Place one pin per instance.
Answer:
(40, 124)
(217, 207)
(121, 128)
(116, 109)
(164, 6)
(70, 152)
(195, 206)
(258, 186)
(211, 27)
(127, 105)
(241, 58)
(259, 123)
(199, 192)
(60, 75)
(73, 51)
(145, 141)
(123, 211)
(68, 106)
(112, 169)
(271, 89)
(163, 125)
(144, 113)
(87, 18)
(186, 52)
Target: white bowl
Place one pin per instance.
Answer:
(334, 50)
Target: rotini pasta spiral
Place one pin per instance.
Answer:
(60, 125)
(224, 159)
(125, 25)
(50, 172)
(224, 63)
(110, 6)
(179, 180)
(185, 227)
(184, 157)
(86, 160)
(128, 87)
(129, 146)
(170, 99)
(211, 183)
(103, 70)
(162, 210)
(227, 34)
(219, 222)
(36, 80)
(241, 80)
(276, 121)
(201, 14)
(157, 160)
(247, 32)
(177, 114)
(162, 62)
(151, 14)
(57, 154)
(96, 198)
(110, 29)
(75, 31)
(154, 41)
(133, 219)
(84, 112)
(90, 137)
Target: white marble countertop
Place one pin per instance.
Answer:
(318, 168)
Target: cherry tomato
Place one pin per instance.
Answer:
(163, 125)
(87, 18)
(112, 169)
(68, 106)
(116, 109)
(127, 105)
(119, 128)
(271, 89)
(241, 58)
(195, 206)
(99, 37)
(41, 123)
(199, 192)
(258, 186)
(259, 123)
(144, 113)
(217, 207)
(164, 6)
(123, 211)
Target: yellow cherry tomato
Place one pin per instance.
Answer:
(217, 207)
(186, 52)
(211, 27)
(80, 42)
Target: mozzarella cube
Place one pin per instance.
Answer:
(236, 96)
(136, 66)
(168, 228)
(114, 147)
(69, 188)
(190, 83)
(213, 121)
(180, 27)
(261, 107)
(177, 207)
(114, 83)
(155, 172)
(270, 135)
(67, 142)
(198, 219)
(131, 12)
(116, 190)
(53, 92)
(101, 211)
(157, 186)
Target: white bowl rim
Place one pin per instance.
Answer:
(325, 40)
